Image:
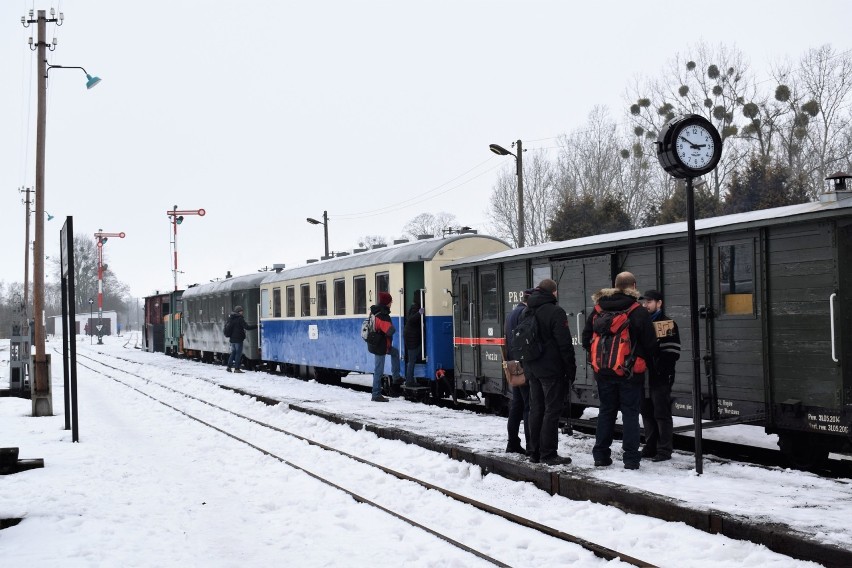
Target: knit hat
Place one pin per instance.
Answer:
(652, 295)
(238, 309)
(385, 299)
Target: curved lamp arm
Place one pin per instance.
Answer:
(91, 81)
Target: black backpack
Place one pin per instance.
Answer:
(526, 340)
(229, 327)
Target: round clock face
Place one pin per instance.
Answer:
(694, 146)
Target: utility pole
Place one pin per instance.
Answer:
(520, 163)
(41, 396)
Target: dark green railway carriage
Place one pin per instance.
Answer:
(775, 313)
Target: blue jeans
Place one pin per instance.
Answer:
(411, 356)
(519, 409)
(547, 395)
(619, 394)
(236, 356)
(379, 370)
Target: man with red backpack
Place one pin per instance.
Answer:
(622, 344)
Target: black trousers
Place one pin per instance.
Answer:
(547, 397)
(657, 418)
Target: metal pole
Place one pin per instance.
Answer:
(325, 229)
(41, 397)
(100, 287)
(519, 161)
(693, 319)
(174, 243)
(27, 261)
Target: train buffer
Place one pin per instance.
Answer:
(9, 462)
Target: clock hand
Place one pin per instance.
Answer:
(685, 140)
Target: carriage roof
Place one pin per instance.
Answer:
(724, 223)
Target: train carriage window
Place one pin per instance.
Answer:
(305, 300)
(359, 294)
(322, 300)
(264, 302)
(382, 282)
(736, 279)
(276, 302)
(291, 301)
(488, 293)
(340, 297)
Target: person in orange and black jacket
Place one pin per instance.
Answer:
(657, 406)
(622, 393)
(385, 327)
(550, 375)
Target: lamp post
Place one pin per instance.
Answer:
(324, 224)
(42, 403)
(177, 219)
(102, 239)
(519, 163)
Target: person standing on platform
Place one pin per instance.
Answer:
(549, 375)
(657, 406)
(412, 334)
(616, 392)
(236, 327)
(385, 327)
(519, 408)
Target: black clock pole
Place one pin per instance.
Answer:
(693, 323)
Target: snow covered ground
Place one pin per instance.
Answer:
(147, 486)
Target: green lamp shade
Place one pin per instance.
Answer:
(92, 81)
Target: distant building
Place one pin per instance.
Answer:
(109, 321)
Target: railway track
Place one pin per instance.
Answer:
(462, 500)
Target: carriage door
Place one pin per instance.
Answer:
(578, 279)
(463, 308)
(489, 338)
(737, 332)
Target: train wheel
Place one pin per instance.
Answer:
(801, 450)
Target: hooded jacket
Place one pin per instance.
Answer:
(411, 333)
(383, 325)
(642, 331)
(238, 327)
(557, 360)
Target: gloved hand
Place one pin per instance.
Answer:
(422, 311)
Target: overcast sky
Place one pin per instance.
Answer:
(268, 112)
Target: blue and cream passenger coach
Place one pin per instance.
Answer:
(311, 315)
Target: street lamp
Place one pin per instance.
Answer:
(519, 163)
(42, 403)
(324, 224)
(177, 219)
(102, 239)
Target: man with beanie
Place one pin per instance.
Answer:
(657, 406)
(383, 326)
(550, 375)
(236, 328)
(616, 392)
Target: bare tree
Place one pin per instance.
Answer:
(367, 241)
(429, 224)
(714, 83)
(540, 198)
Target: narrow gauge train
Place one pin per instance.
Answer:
(310, 316)
(775, 288)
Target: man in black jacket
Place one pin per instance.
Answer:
(549, 375)
(622, 393)
(657, 407)
(238, 326)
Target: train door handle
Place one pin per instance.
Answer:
(831, 316)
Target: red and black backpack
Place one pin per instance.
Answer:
(613, 352)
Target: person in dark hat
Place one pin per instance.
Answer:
(384, 326)
(235, 329)
(657, 404)
(519, 408)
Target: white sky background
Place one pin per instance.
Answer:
(267, 113)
